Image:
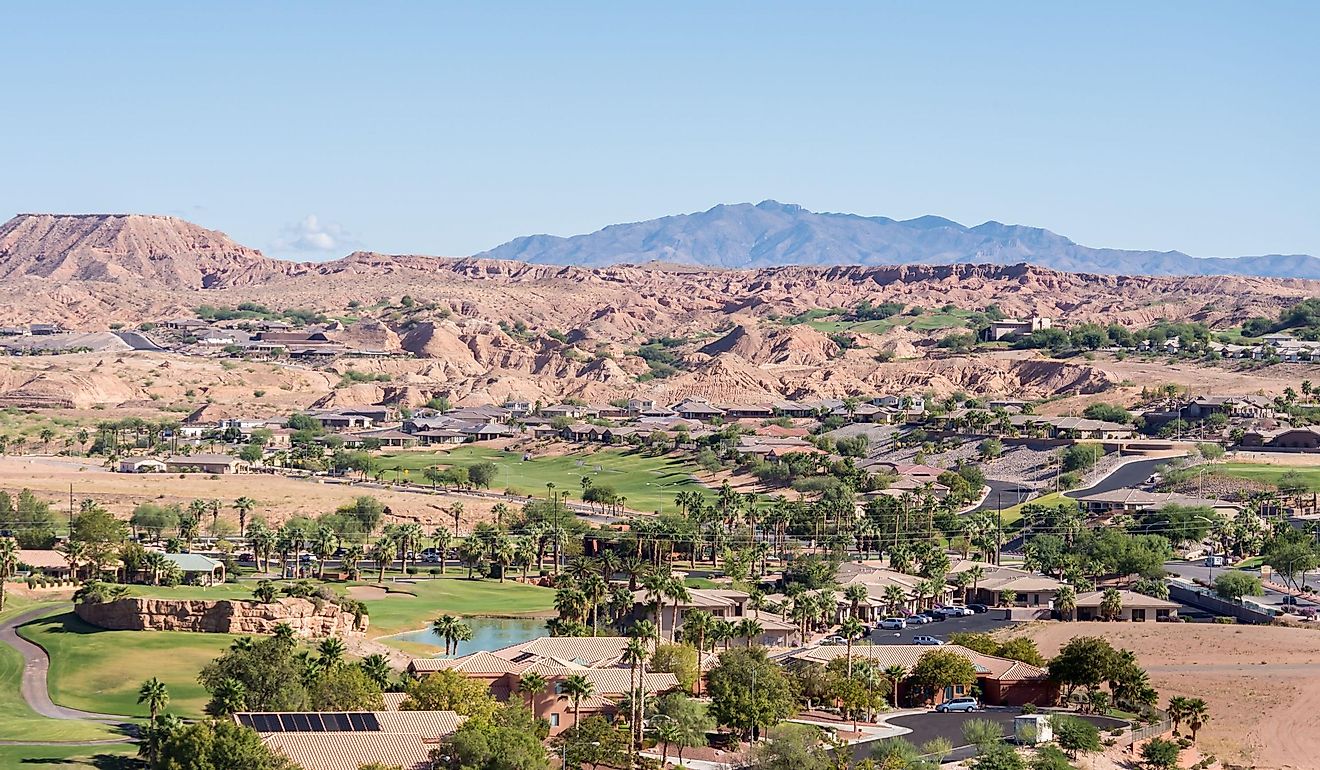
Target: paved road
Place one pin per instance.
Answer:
(940, 629)
(35, 665)
(1003, 494)
(1198, 571)
(1128, 475)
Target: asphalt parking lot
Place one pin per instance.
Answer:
(940, 629)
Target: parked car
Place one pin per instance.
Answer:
(1290, 600)
(935, 616)
(893, 624)
(958, 704)
(952, 611)
(917, 620)
(1215, 561)
(978, 608)
(833, 641)
(929, 641)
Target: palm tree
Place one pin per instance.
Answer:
(749, 629)
(577, 687)
(155, 563)
(324, 542)
(855, 594)
(8, 564)
(895, 674)
(677, 590)
(1197, 714)
(976, 574)
(382, 553)
(244, 506)
(331, 650)
(75, 551)
(462, 633)
(352, 555)
(1177, 711)
(696, 628)
(1111, 604)
(634, 654)
(155, 695)
(441, 538)
(851, 629)
(377, 669)
(471, 552)
(409, 536)
(894, 597)
(1065, 601)
(443, 627)
(530, 684)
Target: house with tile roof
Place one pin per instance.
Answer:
(598, 659)
(1001, 681)
(1137, 608)
(349, 740)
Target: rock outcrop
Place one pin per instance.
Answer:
(222, 616)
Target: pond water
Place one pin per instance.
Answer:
(487, 634)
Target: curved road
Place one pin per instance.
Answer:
(35, 665)
(1127, 475)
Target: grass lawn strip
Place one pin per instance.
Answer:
(17, 721)
(74, 757)
(100, 671)
(648, 483)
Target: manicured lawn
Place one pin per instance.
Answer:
(648, 483)
(17, 721)
(96, 670)
(1013, 514)
(223, 591)
(105, 757)
(1269, 474)
(428, 599)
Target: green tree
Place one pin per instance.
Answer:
(267, 671)
(501, 742)
(999, 757)
(577, 687)
(1160, 754)
(937, 669)
(984, 734)
(1075, 735)
(595, 742)
(345, 688)
(1234, 585)
(1050, 758)
(677, 659)
(219, 745)
(793, 747)
(450, 691)
(748, 691)
(8, 564)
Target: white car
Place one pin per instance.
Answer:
(961, 610)
(833, 641)
(929, 641)
(918, 620)
(893, 624)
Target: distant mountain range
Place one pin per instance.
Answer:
(770, 233)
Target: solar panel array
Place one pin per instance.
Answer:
(310, 722)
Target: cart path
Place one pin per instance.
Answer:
(36, 664)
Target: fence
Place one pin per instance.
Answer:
(1139, 734)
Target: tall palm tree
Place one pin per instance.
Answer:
(895, 674)
(976, 574)
(324, 543)
(677, 590)
(244, 506)
(441, 538)
(894, 597)
(352, 555)
(855, 594)
(153, 693)
(635, 654)
(1197, 714)
(696, 629)
(331, 650)
(577, 687)
(410, 535)
(462, 633)
(851, 629)
(1177, 711)
(155, 563)
(750, 630)
(594, 588)
(382, 553)
(1065, 601)
(530, 684)
(377, 669)
(75, 552)
(444, 627)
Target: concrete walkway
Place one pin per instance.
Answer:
(35, 666)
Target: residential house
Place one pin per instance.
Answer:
(1306, 439)
(141, 465)
(999, 681)
(351, 740)
(725, 604)
(1130, 500)
(205, 463)
(1012, 327)
(701, 411)
(1137, 608)
(598, 659)
(46, 561)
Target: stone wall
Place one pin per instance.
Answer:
(221, 616)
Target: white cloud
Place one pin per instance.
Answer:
(312, 235)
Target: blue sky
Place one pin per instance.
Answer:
(311, 129)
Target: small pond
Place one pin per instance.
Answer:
(487, 634)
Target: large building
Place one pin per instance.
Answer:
(324, 740)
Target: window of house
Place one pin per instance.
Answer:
(554, 720)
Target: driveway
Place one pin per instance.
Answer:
(930, 725)
(35, 665)
(940, 629)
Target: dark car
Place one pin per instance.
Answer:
(978, 608)
(935, 616)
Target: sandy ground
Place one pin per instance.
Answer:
(1262, 683)
(278, 498)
